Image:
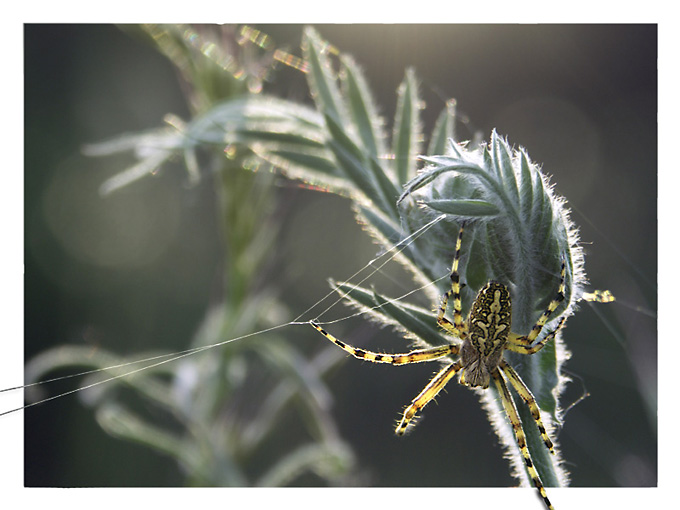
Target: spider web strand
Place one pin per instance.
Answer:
(171, 357)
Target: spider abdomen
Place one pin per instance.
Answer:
(488, 330)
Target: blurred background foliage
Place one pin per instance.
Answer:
(136, 271)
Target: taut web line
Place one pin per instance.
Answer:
(171, 357)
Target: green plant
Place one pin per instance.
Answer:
(213, 414)
(519, 230)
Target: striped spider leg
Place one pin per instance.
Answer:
(485, 335)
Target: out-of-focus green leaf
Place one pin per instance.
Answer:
(361, 106)
(409, 319)
(321, 78)
(444, 129)
(407, 128)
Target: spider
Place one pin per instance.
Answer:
(485, 335)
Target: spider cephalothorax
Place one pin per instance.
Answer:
(485, 335)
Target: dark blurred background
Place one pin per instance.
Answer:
(135, 271)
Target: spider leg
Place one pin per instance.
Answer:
(457, 328)
(429, 392)
(515, 340)
(416, 356)
(514, 345)
(511, 411)
(528, 398)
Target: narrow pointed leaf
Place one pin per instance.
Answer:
(388, 190)
(463, 207)
(353, 163)
(444, 130)
(409, 318)
(526, 190)
(354, 170)
(307, 160)
(407, 129)
(503, 161)
(120, 422)
(322, 81)
(362, 108)
(275, 137)
(389, 231)
(421, 323)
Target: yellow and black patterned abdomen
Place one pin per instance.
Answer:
(488, 330)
